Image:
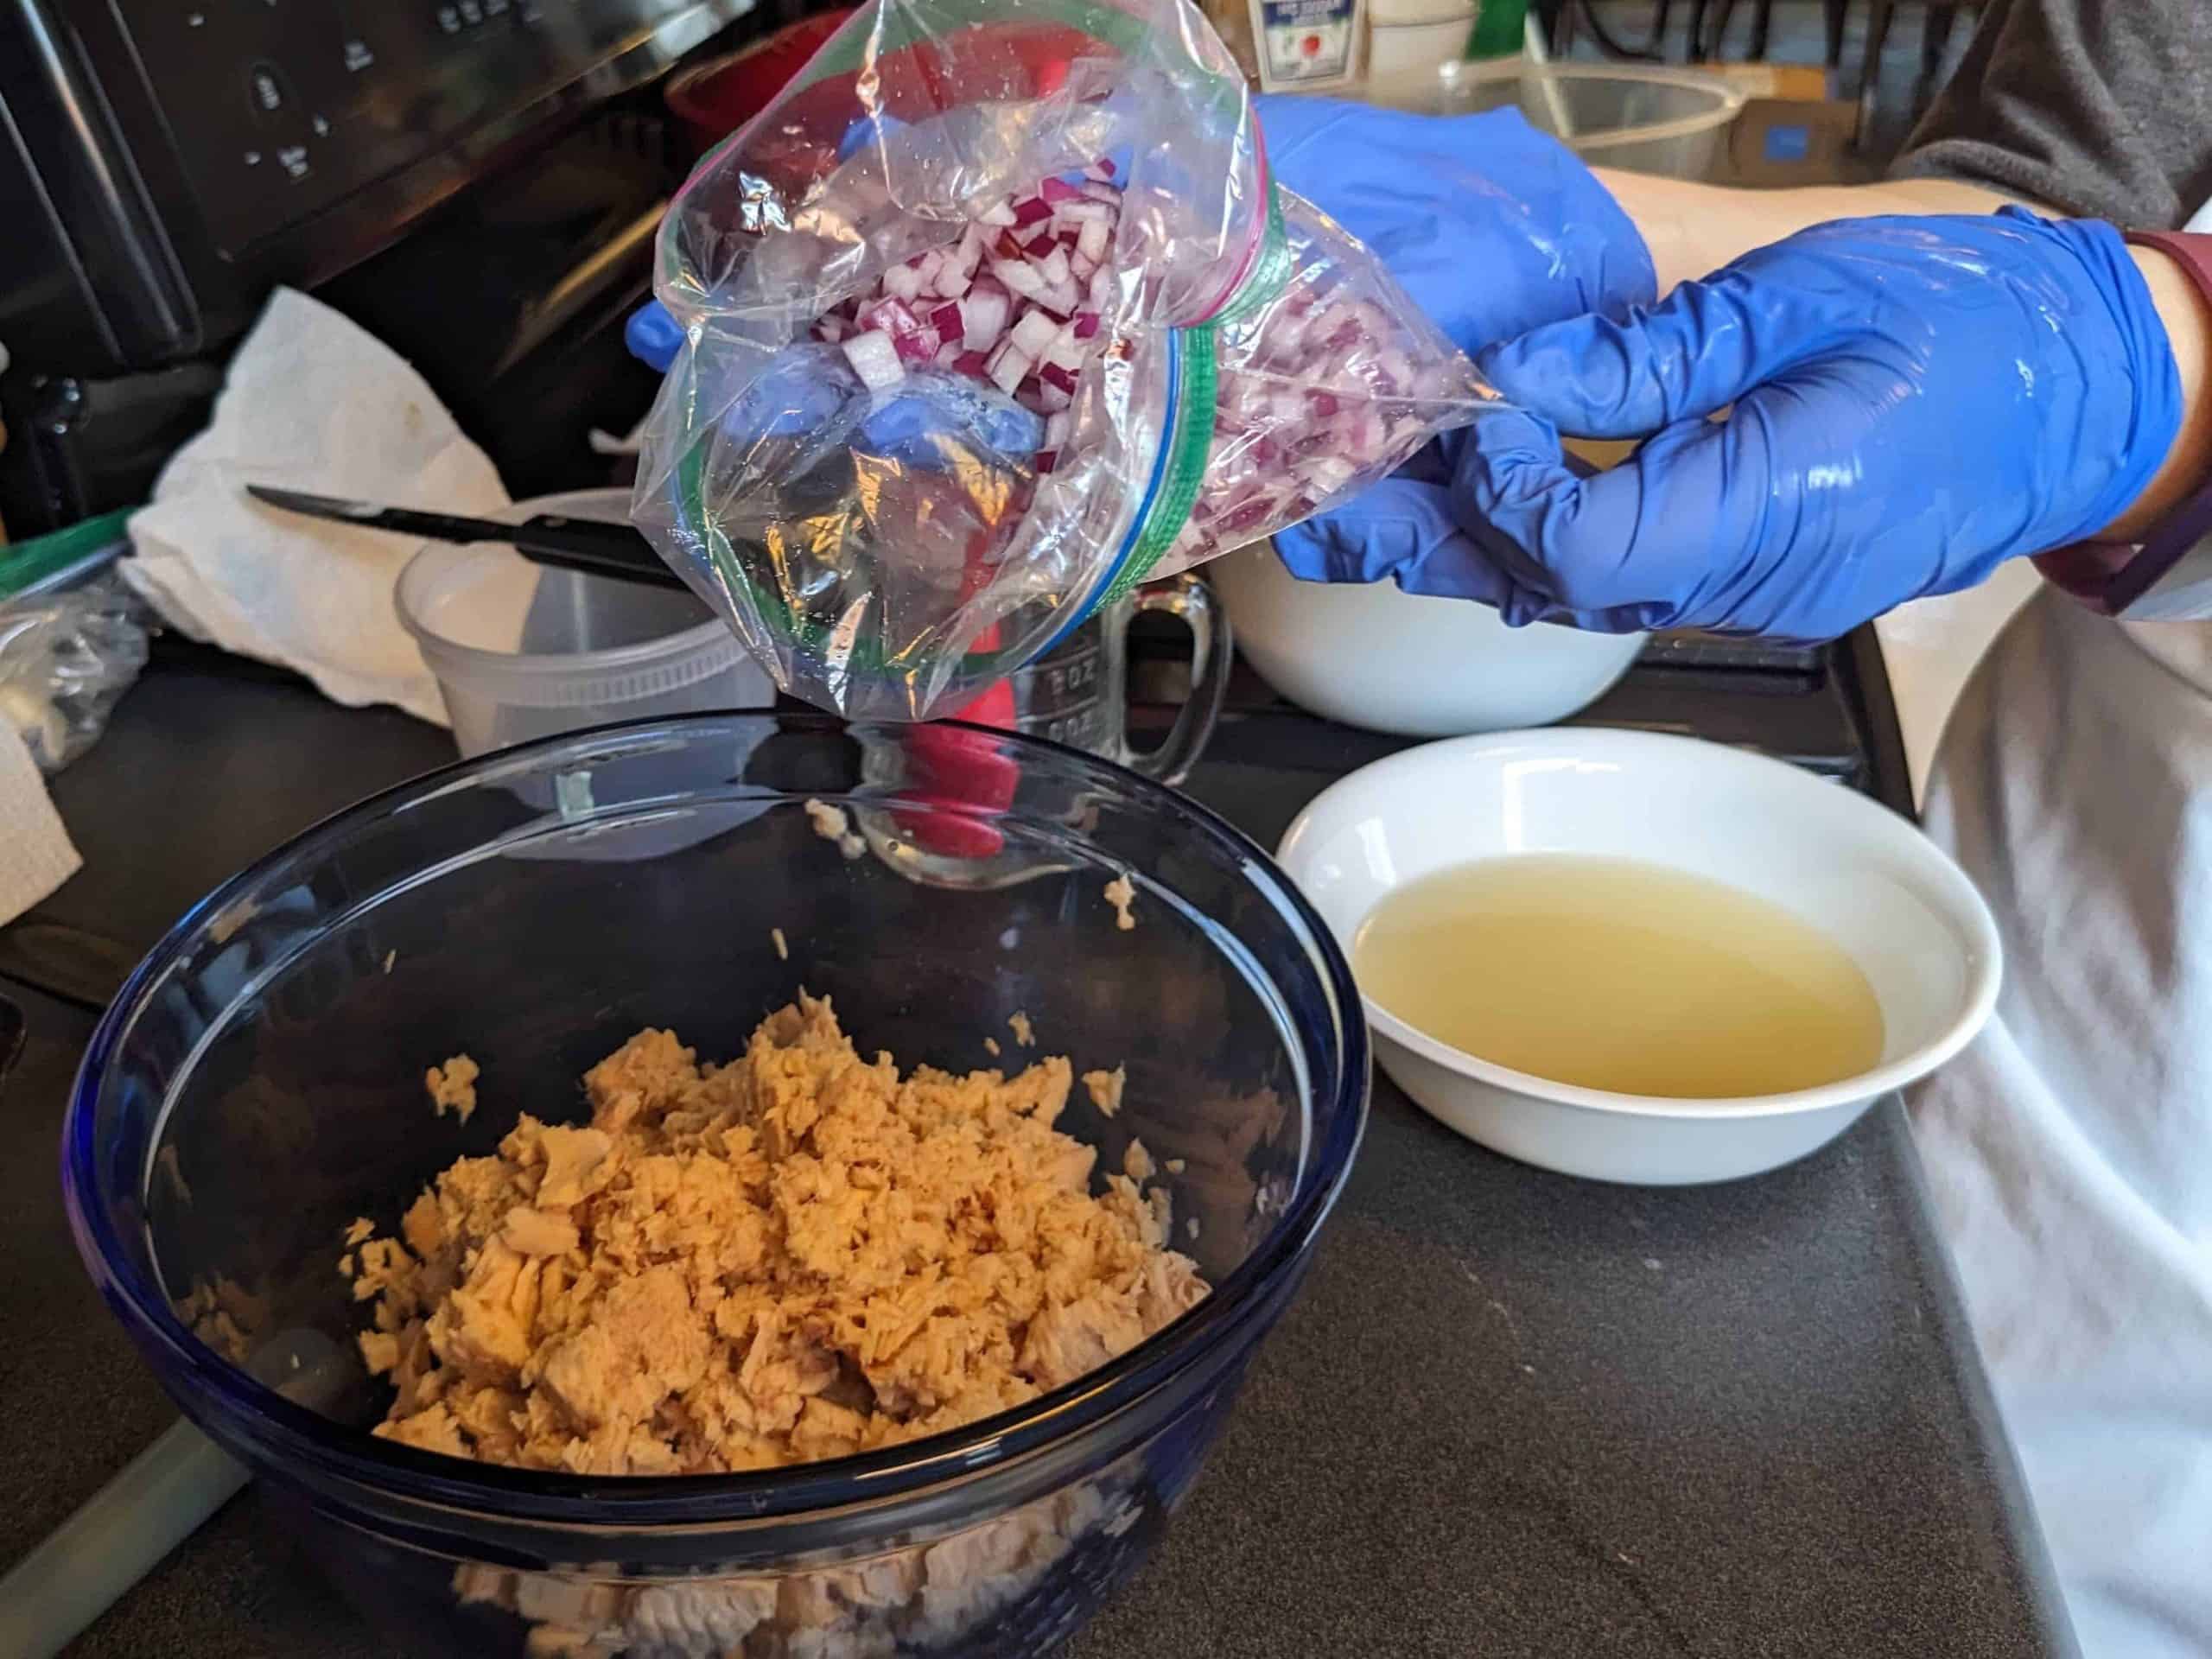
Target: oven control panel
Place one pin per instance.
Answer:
(282, 109)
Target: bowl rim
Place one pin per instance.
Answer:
(296, 1438)
(1967, 910)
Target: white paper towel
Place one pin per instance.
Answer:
(36, 856)
(312, 403)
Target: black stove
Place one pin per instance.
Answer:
(1825, 707)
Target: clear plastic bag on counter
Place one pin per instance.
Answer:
(65, 658)
(993, 314)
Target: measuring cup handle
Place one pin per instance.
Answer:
(1211, 657)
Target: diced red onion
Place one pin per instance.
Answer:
(874, 358)
(1010, 366)
(1033, 334)
(1023, 279)
(1364, 436)
(1318, 392)
(893, 317)
(1248, 515)
(1325, 474)
(985, 310)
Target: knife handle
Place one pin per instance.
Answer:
(591, 548)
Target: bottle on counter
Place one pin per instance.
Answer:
(1501, 31)
(1293, 45)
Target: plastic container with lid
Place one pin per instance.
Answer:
(522, 652)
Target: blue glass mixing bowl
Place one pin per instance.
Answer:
(258, 1084)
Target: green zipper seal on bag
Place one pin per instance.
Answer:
(1189, 446)
(1270, 271)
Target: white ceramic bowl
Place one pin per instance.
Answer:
(1392, 662)
(1864, 876)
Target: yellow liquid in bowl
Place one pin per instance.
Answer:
(1613, 974)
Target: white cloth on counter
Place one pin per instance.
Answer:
(312, 403)
(2069, 1151)
(35, 853)
(1931, 645)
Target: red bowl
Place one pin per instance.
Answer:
(715, 99)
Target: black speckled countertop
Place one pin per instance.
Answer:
(1511, 1414)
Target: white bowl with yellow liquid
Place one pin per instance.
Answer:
(1844, 956)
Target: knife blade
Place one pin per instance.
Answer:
(587, 545)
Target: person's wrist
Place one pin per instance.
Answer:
(2179, 297)
(1660, 214)
(2157, 543)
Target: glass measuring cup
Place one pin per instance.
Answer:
(1076, 693)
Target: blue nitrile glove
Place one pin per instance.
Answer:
(930, 419)
(1490, 227)
(1915, 400)
(653, 336)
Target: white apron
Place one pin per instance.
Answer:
(2069, 1151)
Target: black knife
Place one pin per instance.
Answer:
(588, 545)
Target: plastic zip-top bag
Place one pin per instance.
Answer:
(993, 313)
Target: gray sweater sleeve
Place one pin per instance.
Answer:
(2098, 108)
